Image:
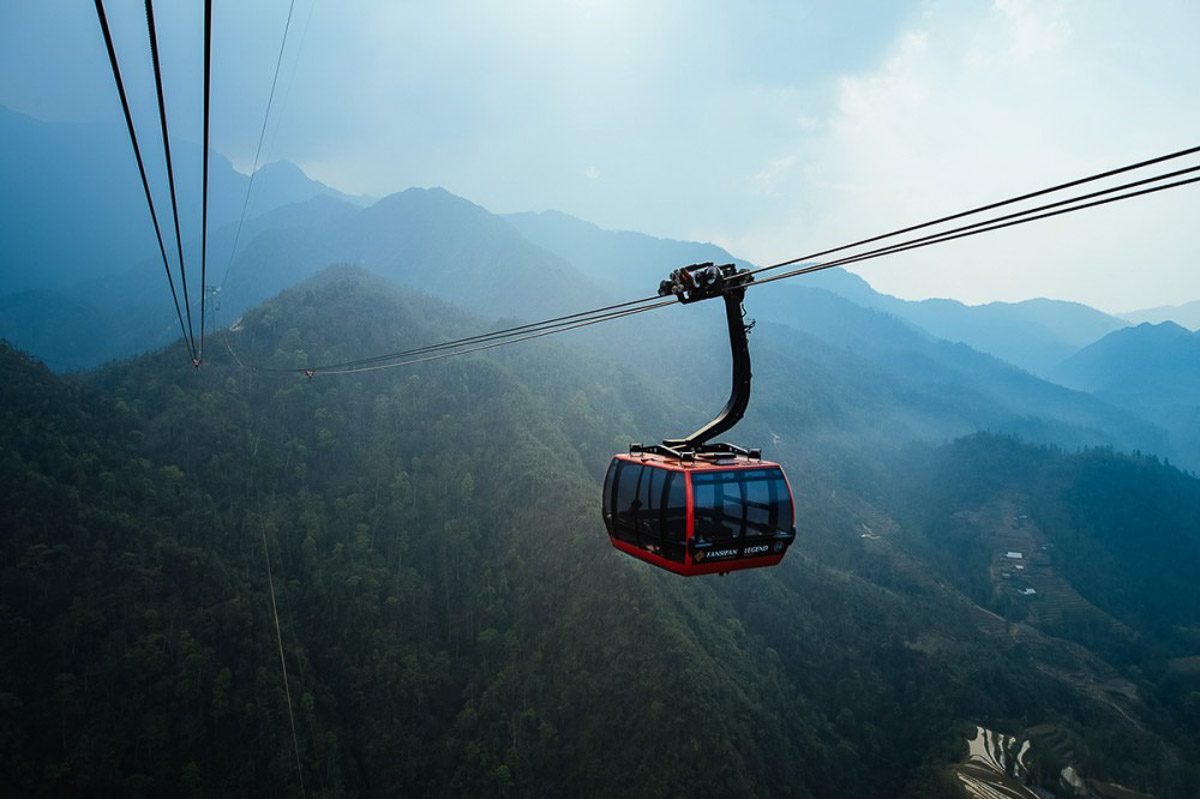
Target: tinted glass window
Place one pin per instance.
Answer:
(718, 497)
(675, 507)
(625, 501)
(647, 502)
(749, 502)
(626, 494)
(609, 477)
(761, 506)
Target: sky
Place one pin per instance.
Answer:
(771, 128)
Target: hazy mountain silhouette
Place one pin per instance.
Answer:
(628, 262)
(1153, 370)
(426, 238)
(1035, 335)
(1159, 362)
(74, 208)
(1186, 315)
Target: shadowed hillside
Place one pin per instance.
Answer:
(453, 619)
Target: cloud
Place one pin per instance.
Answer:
(767, 180)
(776, 127)
(974, 104)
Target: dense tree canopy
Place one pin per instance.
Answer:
(453, 621)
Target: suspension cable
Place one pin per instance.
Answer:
(137, 152)
(162, 117)
(204, 157)
(998, 223)
(558, 324)
(512, 340)
(262, 134)
(282, 660)
(562, 324)
(989, 207)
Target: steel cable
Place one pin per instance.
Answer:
(989, 207)
(493, 345)
(998, 223)
(204, 157)
(162, 117)
(262, 134)
(553, 325)
(573, 321)
(137, 152)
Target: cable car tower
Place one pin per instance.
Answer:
(691, 506)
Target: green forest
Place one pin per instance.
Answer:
(421, 550)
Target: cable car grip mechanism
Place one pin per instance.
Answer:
(701, 282)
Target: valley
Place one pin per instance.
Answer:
(991, 568)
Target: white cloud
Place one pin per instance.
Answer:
(775, 127)
(767, 180)
(977, 105)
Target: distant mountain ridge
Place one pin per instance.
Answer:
(1160, 360)
(1186, 315)
(74, 208)
(529, 266)
(624, 260)
(426, 238)
(1035, 334)
(1151, 369)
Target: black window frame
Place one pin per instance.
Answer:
(646, 507)
(712, 501)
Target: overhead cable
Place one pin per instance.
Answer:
(162, 116)
(548, 327)
(998, 223)
(511, 340)
(981, 209)
(237, 236)
(137, 152)
(556, 325)
(204, 157)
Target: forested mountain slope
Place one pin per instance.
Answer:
(1152, 370)
(453, 619)
(427, 239)
(963, 390)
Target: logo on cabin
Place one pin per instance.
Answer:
(757, 549)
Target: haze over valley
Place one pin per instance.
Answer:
(333, 514)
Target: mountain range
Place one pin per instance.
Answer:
(994, 530)
(75, 210)
(453, 621)
(529, 266)
(1186, 315)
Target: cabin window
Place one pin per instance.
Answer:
(625, 501)
(744, 502)
(673, 501)
(609, 478)
(647, 507)
(718, 497)
(675, 507)
(762, 503)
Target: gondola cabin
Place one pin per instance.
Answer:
(701, 516)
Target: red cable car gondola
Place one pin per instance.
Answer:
(697, 508)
